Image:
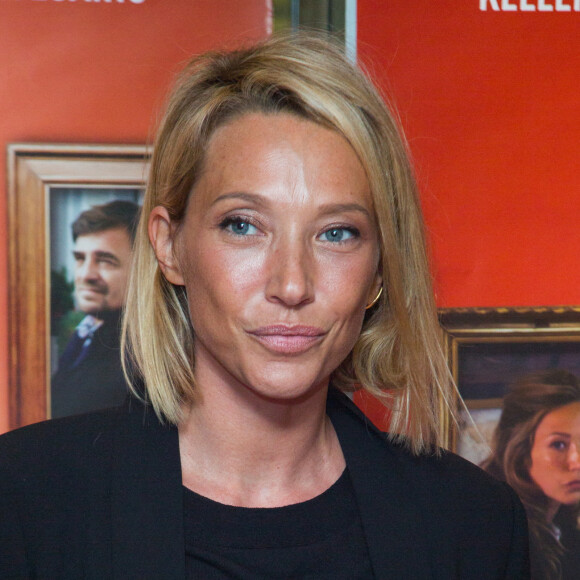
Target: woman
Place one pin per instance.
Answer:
(536, 449)
(279, 261)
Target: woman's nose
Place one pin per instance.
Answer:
(292, 272)
(574, 456)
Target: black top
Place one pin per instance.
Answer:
(321, 538)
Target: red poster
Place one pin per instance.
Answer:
(488, 94)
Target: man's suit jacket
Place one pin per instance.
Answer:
(97, 381)
(100, 496)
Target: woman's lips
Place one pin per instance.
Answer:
(288, 339)
(573, 485)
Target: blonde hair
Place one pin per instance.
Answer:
(398, 356)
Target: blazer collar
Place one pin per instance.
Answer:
(392, 521)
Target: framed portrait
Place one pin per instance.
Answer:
(49, 187)
(490, 348)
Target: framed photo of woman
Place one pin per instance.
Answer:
(491, 348)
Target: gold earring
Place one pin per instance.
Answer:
(375, 300)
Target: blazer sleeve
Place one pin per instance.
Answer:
(518, 565)
(13, 563)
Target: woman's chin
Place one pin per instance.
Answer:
(287, 389)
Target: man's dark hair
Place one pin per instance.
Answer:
(115, 214)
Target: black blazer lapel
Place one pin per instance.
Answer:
(392, 521)
(146, 499)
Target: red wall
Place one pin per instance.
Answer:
(97, 72)
(491, 106)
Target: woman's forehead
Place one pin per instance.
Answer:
(565, 419)
(257, 153)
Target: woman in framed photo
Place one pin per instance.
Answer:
(536, 449)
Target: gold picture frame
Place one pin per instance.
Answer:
(488, 348)
(34, 171)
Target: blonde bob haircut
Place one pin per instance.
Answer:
(398, 356)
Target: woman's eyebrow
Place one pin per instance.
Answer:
(254, 198)
(560, 434)
(330, 208)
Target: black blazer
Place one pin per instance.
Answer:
(99, 496)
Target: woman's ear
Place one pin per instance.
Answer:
(162, 236)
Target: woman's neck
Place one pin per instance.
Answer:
(553, 507)
(242, 449)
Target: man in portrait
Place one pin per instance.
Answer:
(89, 374)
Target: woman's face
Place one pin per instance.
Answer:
(278, 253)
(556, 454)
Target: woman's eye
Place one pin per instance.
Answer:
(558, 445)
(239, 227)
(338, 234)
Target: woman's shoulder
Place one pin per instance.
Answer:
(442, 473)
(448, 467)
(56, 443)
(82, 446)
(450, 484)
